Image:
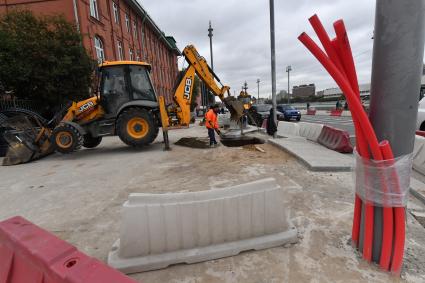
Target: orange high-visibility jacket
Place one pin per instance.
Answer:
(211, 120)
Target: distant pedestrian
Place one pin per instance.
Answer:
(338, 104)
(308, 105)
(346, 106)
(271, 125)
(212, 124)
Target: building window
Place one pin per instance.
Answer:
(135, 29)
(100, 52)
(93, 9)
(130, 52)
(127, 22)
(120, 53)
(116, 12)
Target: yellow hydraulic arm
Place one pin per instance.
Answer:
(179, 114)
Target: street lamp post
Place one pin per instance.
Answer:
(210, 35)
(288, 70)
(258, 90)
(273, 61)
(245, 86)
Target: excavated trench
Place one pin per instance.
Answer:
(230, 141)
(241, 140)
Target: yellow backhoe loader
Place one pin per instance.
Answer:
(125, 104)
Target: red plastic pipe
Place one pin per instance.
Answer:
(369, 210)
(399, 226)
(365, 126)
(346, 57)
(388, 225)
(325, 40)
(348, 62)
(357, 110)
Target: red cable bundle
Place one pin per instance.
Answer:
(338, 61)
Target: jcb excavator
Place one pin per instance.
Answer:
(125, 104)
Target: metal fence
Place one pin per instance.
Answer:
(7, 103)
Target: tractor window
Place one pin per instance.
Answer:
(141, 84)
(113, 92)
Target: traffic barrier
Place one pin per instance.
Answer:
(419, 154)
(288, 129)
(336, 112)
(310, 131)
(335, 139)
(29, 254)
(420, 133)
(311, 111)
(158, 230)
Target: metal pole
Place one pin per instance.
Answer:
(210, 35)
(288, 70)
(258, 90)
(273, 61)
(398, 50)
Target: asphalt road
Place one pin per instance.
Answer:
(343, 122)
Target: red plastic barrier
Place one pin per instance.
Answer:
(311, 111)
(335, 139)
(29, 254)
(336, 112)
(420, 133)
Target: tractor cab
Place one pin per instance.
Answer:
(124, 82)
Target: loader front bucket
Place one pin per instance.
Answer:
(27, 140)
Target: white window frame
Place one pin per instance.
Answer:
(127, 22)
(94, 11)
(130, 53)
(120, 53)
(100, 50)
(135, 29)
(116, 12)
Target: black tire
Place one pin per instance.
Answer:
(298, 118)
(66, 138)
(422, 128)
(136, 127)
(91, 142)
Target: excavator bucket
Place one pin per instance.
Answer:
(27, 138)
(235, 107)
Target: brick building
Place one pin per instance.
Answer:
(115, 30)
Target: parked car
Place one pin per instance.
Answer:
(259, 112)
(420, 124)
(289, 112)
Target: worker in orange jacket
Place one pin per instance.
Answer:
(211, 122)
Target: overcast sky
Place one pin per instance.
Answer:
(241, 41)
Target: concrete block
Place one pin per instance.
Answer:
(288, 129)
(310, 131)
(158, 230)
(419, 154)
(315, 156)
(224, 120)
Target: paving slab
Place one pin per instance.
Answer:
(315, 156)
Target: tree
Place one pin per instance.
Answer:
(43, 59)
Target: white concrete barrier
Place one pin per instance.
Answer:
(310, 131)
(419, 154)
(288, 129)
(158, 230)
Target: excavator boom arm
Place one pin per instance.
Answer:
(204, 72)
